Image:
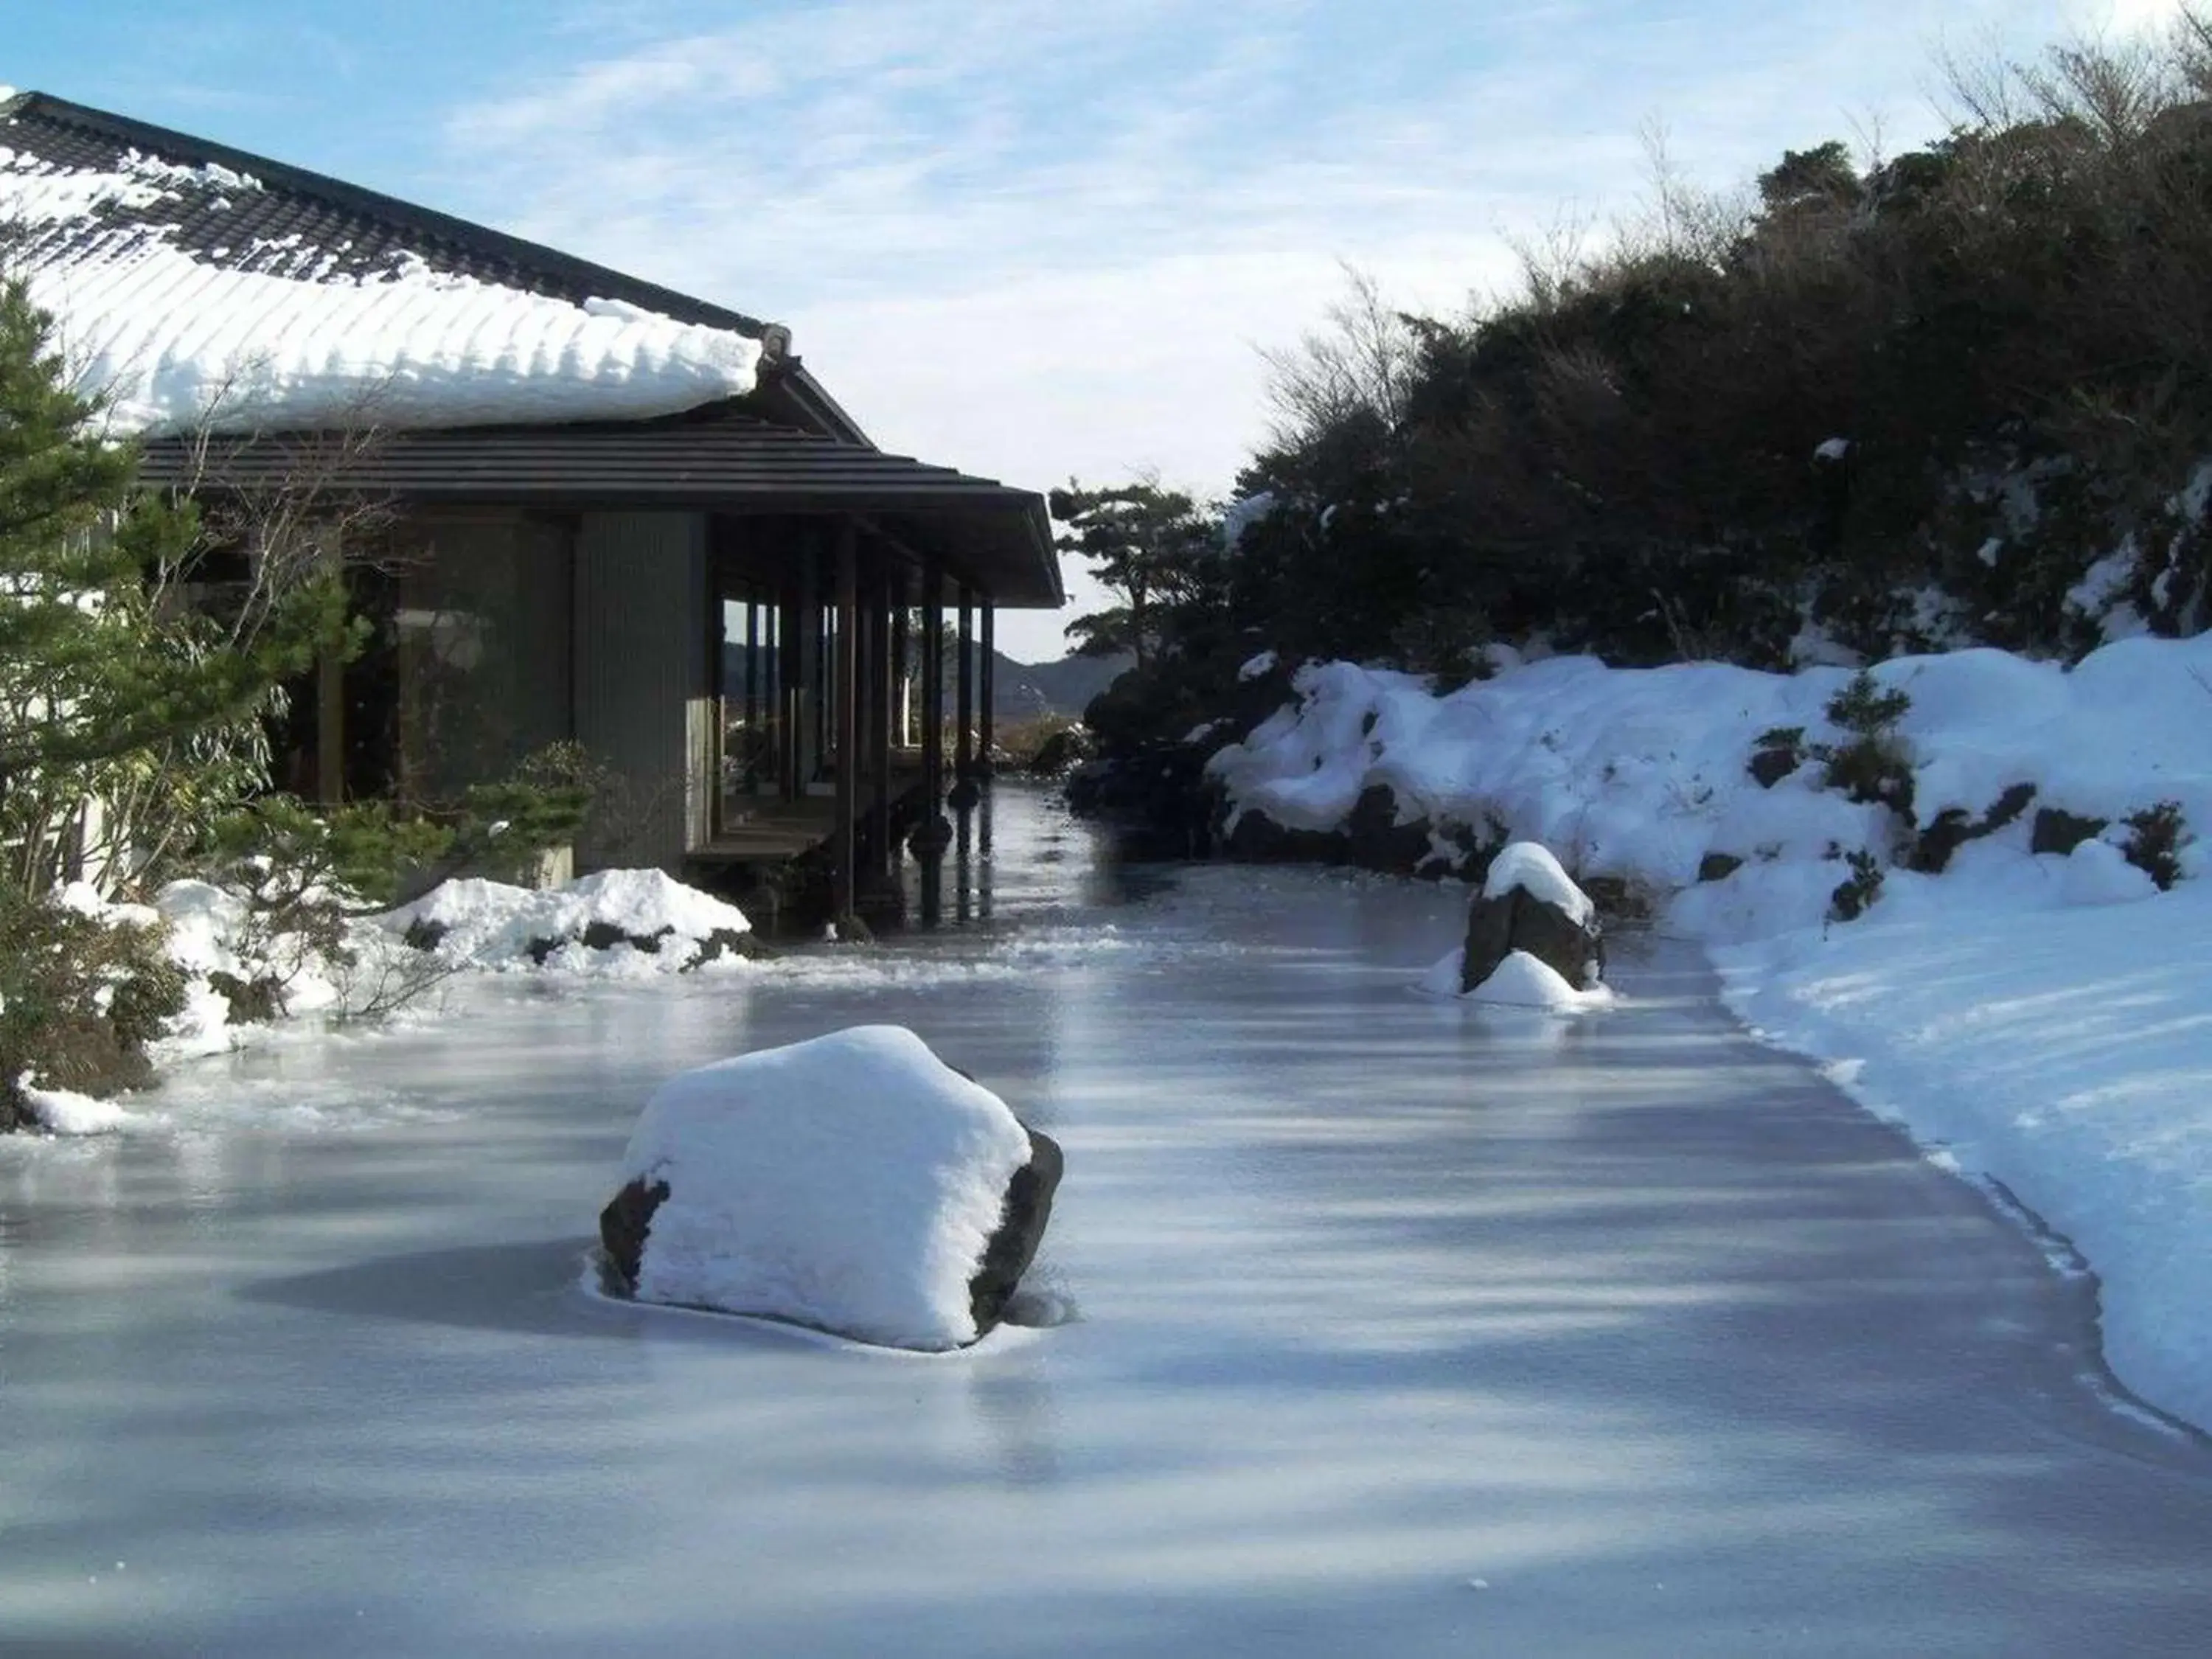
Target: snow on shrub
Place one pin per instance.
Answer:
(1645, 776)
(624, 922)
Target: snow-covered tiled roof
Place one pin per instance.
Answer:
(197, 287)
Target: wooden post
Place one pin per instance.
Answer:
(847, 693)
(791, 687)
(752, 694)
(988, 738)
(963, 764)
(882, 703)
(902, 699)
(932, 696)
(824, 609)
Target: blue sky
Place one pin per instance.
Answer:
(1035, 239)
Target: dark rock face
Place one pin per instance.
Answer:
(2059, 832)
(1718, 866)
(1021, 1227)
(1161, 793)
(1519, 920)
(624, 1223)
(627, 1221)
(1951, 828)
(1378, 841)
(255, 1001)
(1062, 751)
(1770, 765)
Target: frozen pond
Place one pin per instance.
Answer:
(1403, 1330)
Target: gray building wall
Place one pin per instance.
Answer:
(644, 702)
(483, 630)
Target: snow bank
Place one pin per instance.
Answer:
(2044, 1019)
(176, 342)
(852, 1182)
(64, 1112)
(2062, 1050)
(617, 923)
(1640, 775)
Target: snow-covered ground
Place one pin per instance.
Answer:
(2041, 1021)
(1405, 1328)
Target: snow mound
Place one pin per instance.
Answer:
(1524, 982)
(629, 923)
(64, 1112)
(852, 1182)
(1532, 868)
(2097, 872)
(300, 347)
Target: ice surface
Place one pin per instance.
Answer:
(850, 1182)
(1638, 1323)
(2078, 1078)
(173, 342)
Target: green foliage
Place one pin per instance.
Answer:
(130, 717)
(1855, 893)
(1153, 548)
(1871, 765)
(112, 689)
(303, 871)
(505, 827)
(2156, 835)
(1864, 709)
(1635, 455)
(80, 998)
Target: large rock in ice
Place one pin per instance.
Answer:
(855, 1183)
(1529, 904)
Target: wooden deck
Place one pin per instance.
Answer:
(769, 829)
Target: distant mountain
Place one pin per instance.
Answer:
(1023, 691)
(1053, 688)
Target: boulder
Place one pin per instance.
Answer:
(1529, 904)
(855, 1183)
(1020, 1231)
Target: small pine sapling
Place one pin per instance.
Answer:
(2156, 835)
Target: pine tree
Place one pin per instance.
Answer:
(104, 670)
(110, 687)
(1151, 547)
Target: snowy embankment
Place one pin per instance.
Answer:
(2038, 1020)
(244, 976)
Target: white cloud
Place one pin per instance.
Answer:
(1035, 239)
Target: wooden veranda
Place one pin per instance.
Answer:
(783, 639)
